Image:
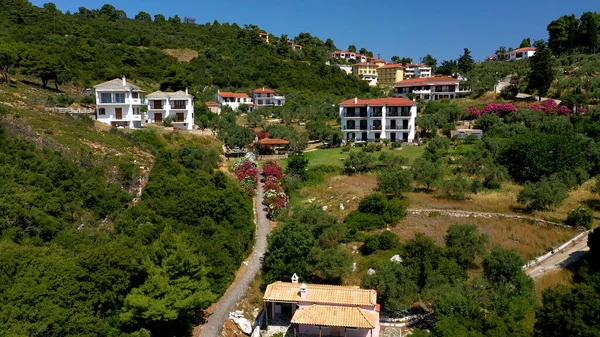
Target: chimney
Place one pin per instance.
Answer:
(294, 278)
(355, 100)
(186, 91)
(303, 291)
(124, 80)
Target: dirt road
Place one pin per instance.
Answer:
(215, 322)
(561, 259)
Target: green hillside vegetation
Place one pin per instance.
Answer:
(94, 45)
(80, 258)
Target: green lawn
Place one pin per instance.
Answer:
(335, 157)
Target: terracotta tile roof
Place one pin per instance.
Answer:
(320, 293)
(264, 91)
(233, 94)
(426, 81)
(391, 101)
(416, 65)
(351, 317)
(273, 141)
(392, 65)
(520, 50)
(211, 103)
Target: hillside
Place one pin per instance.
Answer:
(90, 46)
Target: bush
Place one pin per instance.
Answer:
(395, 210)
(510, 92)
(87, 100)
(456, 188)
(476, 186)
(395, 145)
(364, 221)
(297, 165)
(358, 163)
(65, 100)
(394, 181)
(372, 148)
(580, 217)
(389, 159)
(388, 241)
(372, 203)
(546, 193)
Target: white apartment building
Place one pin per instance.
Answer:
(389, 118)
(348, 55)
(234, 99)
(177, 105)
(419, 70)
(266, 97)
(521, 53)
(119, 103)
(430, 89)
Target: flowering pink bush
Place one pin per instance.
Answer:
(272, 185)
(550, 106)
(535, 107)
(272, 169)
(247, 175)
(495, 108)
(564, 110)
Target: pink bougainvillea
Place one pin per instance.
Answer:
(272, 169)
(272, 185)
(247, 169)
(550, 106)
(495, 108)
(564, 110)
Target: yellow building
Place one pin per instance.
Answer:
(366, 71)
(390, 74)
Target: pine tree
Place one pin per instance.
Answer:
(541, 73)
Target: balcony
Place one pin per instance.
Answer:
(354, 128)
(375, 127)
(398, 127)
(422, 91)
(398, 114)
(355, 115)
(376, 114)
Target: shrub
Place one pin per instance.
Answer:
(456, 188)
(358, 163)
(296, 165)
(395, 145)
(580, 217)
(543, 194)
(364, 221)
(476, 186)
(272, 169)
(509, 92)
(394, 181)
(372, 203)
(389, 159)
(388, 241)
(395, 210)
(494, 108)
(370, 245)
(65, 100)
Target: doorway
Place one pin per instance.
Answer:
(118, 113)
(392, 137)
(158, 117)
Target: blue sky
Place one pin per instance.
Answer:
(412, 29)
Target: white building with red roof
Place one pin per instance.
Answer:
(521, 53)
(369, 119)
(234, 99)
(322, 310)
(349, 55)
(431, 89)
(417, 70)
(262, 97)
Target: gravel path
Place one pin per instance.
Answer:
(561, 258)
(215, 322)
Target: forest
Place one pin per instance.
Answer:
(80, 258)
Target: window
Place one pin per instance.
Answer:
(105, 98)
(260, 101)
(135, 95)
(136, 111)
(101, 111)
(179, 104)
(120, 98)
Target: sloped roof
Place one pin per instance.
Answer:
(117, 85)
(320, 293)
(352, 317)
(520, 50)
(273, 141)
(426, 81)
(391, 101)
(233, 94)
(264, 91)
(211, 103)
(162, 94)
(392, 65)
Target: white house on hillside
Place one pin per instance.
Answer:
(521, 53)
(389, 118)
(177, 105)
(418, 70)
(234, 99)
(430, 89)
(266, 97)
(119, 103)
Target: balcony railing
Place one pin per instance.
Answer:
(355, 115)
(398, 114)
(397, 127)
(375, 127)
(376, 114)
(345, 127)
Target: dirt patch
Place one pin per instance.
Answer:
(182, 55)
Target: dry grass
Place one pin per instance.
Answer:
(526, 238)
(347, 190)
(182, 55)
(559, 276)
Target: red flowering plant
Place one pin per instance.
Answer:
(551, 107)
(273, 185)
(247, 174)
(272, 169)
(495, 108)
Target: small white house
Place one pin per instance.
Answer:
(234, 99)
(262, 97)
(176, 105)
(119, 103)
(521, 53)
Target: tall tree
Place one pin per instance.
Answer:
(562, 34)
(525, 43)
(590, 31)
(465, 62)
(541, 72)
(363, 51)
(395, 59)
(143, 16)
(501, 53)
(406, 60)
(429, 61)
(352, 48)
(8, 58)
(463, 242)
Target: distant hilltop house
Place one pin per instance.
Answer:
(418, 70)
(323, 310)
(381, 118)
(430, 89)
(179, 106)
(119, 103)
(390, 74)
(521, 53)
(348, 55)
(294, 45)
(264, 36)
(259, 98)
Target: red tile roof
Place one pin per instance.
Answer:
(211, 103)
(520, 50)
(426, 81)
(392, 101)
(233, 94)
(338, 316)
(273, 141)
(392, 65)
(264, 91)
(320, 293)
